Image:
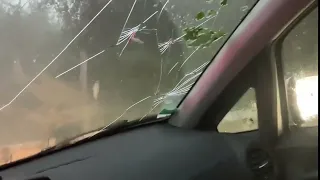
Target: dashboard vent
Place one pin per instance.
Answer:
(260, 163)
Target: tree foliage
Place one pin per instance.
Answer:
(198, 36)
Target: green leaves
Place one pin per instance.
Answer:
(201, 37)
(223, 2)
(200, 16)
(191, 33)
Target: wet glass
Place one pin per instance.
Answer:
(71, 66)
(300, 67)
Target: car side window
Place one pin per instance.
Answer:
(243, 116)
(299, 55)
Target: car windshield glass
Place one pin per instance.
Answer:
(71, 66)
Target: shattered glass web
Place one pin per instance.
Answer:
(186, 69)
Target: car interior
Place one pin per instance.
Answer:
(195, 142)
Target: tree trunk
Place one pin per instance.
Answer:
(83, 72)
(18, 74)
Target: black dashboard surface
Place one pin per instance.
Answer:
(158, 151)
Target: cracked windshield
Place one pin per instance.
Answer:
(72, 66)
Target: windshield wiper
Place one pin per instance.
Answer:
(114, 128)
(111, 128)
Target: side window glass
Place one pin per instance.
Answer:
(300, 67)
(243, 116)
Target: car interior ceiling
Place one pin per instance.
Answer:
(176, 148)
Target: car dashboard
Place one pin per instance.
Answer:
(158, 151)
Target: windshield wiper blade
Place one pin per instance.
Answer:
(114, 128)
(122, 125)
(111, 128)
(118, 126)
